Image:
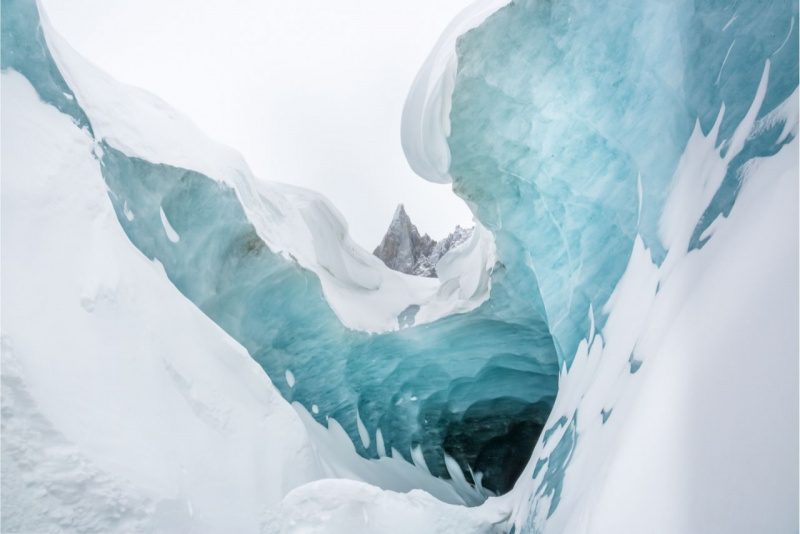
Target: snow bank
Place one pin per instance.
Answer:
(355, 507)
(124, 407)
(681, 414)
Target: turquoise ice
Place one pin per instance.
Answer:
(568, 122)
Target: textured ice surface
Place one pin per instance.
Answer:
(633, 170)
(223, 240)
(596, 139)
(569, 119)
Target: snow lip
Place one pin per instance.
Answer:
(425, 122)
(299, 224)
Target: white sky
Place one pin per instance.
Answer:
(310, 92)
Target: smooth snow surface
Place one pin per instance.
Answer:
(355, 507)
(172, 235)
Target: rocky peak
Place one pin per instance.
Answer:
(403, 249)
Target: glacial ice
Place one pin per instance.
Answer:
(590, 111)
(124, 407)
(629, 293)
(578, 132)
(436, 387)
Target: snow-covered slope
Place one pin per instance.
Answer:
(681, 415)
(124, 407)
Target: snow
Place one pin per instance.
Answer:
(124, 407)
(296, 222)
(172, 235)
(355, 507)
(697, 405)
(340, 460)
(464, 276)
(703, 436)
(426, 113)
(362, 431)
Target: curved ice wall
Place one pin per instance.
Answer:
(475, 387)
(568, 120)
(438, 386)
(579, 134)
(566, 126)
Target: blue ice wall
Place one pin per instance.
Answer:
(468, 385)
(568, 121)
(564, 111)
(477, 387)
(25, 50)
(564, 114)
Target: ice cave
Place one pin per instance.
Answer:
(187, 347)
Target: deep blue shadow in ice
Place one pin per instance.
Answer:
(476, 386)
(569, 119)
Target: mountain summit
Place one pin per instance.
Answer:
(403, 249)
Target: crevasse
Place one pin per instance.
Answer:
(432, 391)
(600, 143)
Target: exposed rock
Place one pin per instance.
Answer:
(403, 249)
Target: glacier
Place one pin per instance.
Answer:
(586, 361)
(618, 138)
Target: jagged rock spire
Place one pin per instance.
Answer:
(403, 249)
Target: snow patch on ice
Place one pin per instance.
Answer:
(172, 235)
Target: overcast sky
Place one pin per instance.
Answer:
(310, 92)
